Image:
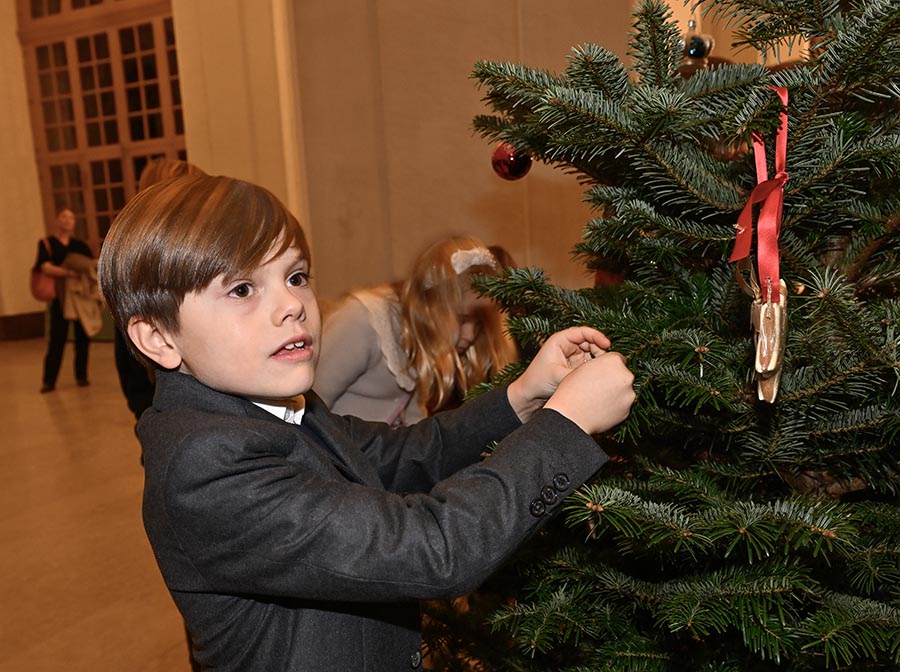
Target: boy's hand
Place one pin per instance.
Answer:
(598, 395)
(563, 352)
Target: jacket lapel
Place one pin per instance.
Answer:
(350, 461)
(176, 391)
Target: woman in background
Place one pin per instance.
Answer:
(51, 255)
(397, 353)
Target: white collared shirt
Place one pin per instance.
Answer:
(290, 412)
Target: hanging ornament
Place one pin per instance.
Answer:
(509, 163)
(768, 313)
(769, 320)
(697, 48)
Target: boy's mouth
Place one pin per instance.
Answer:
(294, 345)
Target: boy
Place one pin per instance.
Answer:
(291, 538)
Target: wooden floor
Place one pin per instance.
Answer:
(79, 588)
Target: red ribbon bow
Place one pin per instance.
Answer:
(769, 192)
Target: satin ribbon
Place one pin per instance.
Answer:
(770, 193)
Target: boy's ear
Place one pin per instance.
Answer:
(154, 343)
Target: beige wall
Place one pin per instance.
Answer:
(378, 97)
(21, 224)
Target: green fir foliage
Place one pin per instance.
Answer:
(726, 533)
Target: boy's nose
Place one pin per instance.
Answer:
(289, 306)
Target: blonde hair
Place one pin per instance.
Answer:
(177, 236)
(431, 300)
(162, 169)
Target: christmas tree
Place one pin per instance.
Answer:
(749, 518)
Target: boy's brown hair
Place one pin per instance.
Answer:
(175, 237)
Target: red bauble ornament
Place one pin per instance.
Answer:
(509, 163)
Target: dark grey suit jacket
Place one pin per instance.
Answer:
(307, 548)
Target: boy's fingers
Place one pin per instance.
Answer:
(587, 339)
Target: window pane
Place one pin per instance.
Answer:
(108, 103)
(87, 78)
(111, 128)
(53, 139)
(66, 110)
(115, 170)
(49, 113)
(130, 67)
(136, 128)
(73, 174)
(148, 65)
(104, 74)
(133, 96)
(103, 224)
(101, 46)
(98, 175)
(145, 36)
(46, 86)
(126, 40)
(83, 46)
(93, 134)
(154, 122)
(69, 139)
(137, 165)
(118, 198)
(62, 82)
(169, 27)
(152, 93)
(90, 107)
(59, 54)
(43, 57)
(57, 177)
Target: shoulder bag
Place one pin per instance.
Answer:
(43, 286)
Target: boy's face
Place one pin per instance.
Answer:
(255, 336)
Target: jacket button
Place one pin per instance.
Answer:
(549, 495)
(561, 482)
(415, 660)
(538, 508)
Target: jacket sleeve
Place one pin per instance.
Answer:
(415, 458)
(229, 515)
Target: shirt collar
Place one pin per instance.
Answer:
(290, 412)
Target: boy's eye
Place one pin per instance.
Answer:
(299, 279)
(240, 291)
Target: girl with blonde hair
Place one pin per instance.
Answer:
(398, 353)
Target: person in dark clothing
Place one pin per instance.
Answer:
(51, 254)
(292, 538)
(135, 378)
